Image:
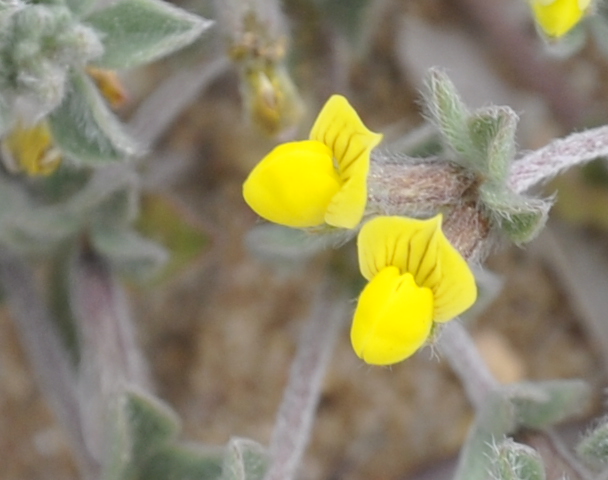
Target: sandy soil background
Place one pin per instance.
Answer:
(221, 333)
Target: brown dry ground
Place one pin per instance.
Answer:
(221, 335)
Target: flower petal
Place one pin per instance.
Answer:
(419, 247)
(347, 206)
(393, 318)
(31, 150)
(339, 127)
(293, 184)
(558, 17)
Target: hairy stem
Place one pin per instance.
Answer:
(110, 358)
(297, 411)
(160, 109)
(46, 354)
(545, 163)
(457, 346)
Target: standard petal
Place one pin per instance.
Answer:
(558, 17)
(420, 248)
(399, 241)
(393, 318)
(293, 185)
(339, 127)
(455, 290)
(347, 206)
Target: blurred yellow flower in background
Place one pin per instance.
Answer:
(30, 149)
(320, 180)
(416, 277)
(558, 17)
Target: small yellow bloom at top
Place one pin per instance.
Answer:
(31, 150)
(321, 180)
(416, 277)
(558, 17)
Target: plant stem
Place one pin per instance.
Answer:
(457, 346)
(160, 109)
(110, 358)
(297, 411)
(46, 354)
(545, 163)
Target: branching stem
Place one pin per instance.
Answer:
(46, 354)
(457, 346)
(547, 162)
(297, 411)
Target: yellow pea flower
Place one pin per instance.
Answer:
(320, 180)
(31, 150)
(558, 17)
(416, 277)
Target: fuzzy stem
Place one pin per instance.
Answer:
(110, 357)
(297, 411)
(46, 354)
(545, 163)
(160, 109)
(457, 346)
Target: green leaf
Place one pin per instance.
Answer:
(140, 426)
(85, 129)
(183, 462)
(515, 461)
(593, 448)
(151, 422)
(521, 218)
(544, 404)
(495, 420)
(449, 114)
(135, 32)
(129, 252)
(119, 210)
(245, 460)
(492, 133)
(531, 405)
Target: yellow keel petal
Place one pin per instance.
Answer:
(293, 184)
(393, 318)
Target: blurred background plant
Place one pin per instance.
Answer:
(103, 217)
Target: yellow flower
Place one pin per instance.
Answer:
(31, 150)
(558, 17)
(109, 85)
(321, 180)
(416, 277)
